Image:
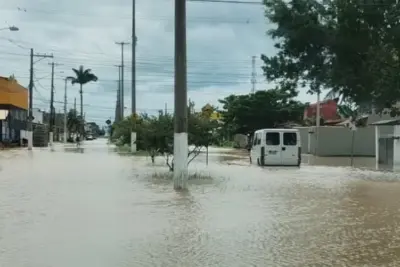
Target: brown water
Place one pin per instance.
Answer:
(97, 208)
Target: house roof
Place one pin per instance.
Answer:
(386, 122)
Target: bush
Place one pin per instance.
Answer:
(155, 134)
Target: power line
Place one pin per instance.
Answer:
(235, 20)
(228, 2)
(111, 60)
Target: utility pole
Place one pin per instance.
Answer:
(133, 79)
(65, 110)
(120, 96)
(117, 108)
(122, 76)
(253, 74)
(134, 42)
(118, 104)
(318, 119)
(52, 111)
(166, 109)
(180, 99)
(31, 85)
(75, 105)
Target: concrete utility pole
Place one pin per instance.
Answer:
(253, 74)
(65, 111)
(180, 99)
(31, 85)
(75, 105)
(133, 80)
(122, 44)
(117, 108)
(134, 42)
(120, 97)
(318, 119)
(52, 110)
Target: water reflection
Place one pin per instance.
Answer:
(99, 208)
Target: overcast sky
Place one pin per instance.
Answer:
(221, 40)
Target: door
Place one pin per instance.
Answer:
(273, 148)
(254, 152)
(290, 148)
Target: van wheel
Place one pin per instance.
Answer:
(258, 162)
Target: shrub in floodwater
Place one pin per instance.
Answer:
(155, 134)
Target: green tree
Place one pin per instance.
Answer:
(350, 47)
(155, 134)
(82, 77)
(264, 109)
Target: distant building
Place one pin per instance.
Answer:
(37, 116)
(328, 111)
(13, 109)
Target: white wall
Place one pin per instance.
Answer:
(337, 141)
(396, 149)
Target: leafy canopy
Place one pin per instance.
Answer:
(349, 47)
(264, 109)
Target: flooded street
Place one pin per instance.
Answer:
(94, 207)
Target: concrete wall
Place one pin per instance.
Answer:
(303, 138)
(337, 141)
(240, 140)
(396, 148)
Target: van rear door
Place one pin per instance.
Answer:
(290, 148)
(273, 148)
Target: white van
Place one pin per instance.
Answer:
(276, 147)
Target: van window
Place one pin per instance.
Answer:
(255, 140)
(289, 139)
(259, 139)
(272, 139)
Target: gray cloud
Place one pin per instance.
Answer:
(222, 38)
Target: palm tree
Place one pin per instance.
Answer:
(82, 76)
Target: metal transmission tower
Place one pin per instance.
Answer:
(122, 44)
(253, 74)
(31, 85)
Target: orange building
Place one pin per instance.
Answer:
(13, 109)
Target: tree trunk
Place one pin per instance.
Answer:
(83, 123)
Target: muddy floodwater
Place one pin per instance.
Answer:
(94, 207)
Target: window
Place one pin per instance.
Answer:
(272, 139)
(24, 113)
(255, 140)
(17, 115)
(289, 139)
(259, 139)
